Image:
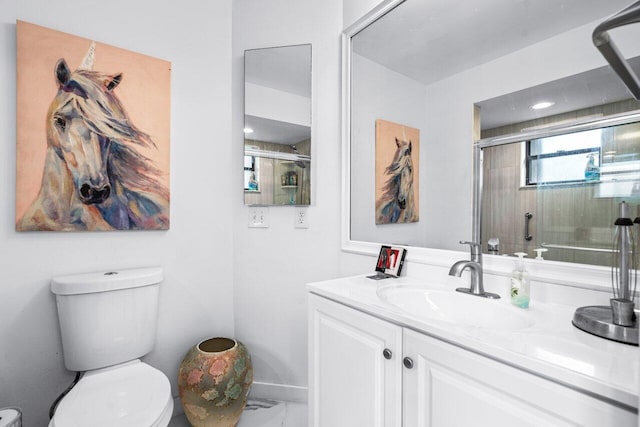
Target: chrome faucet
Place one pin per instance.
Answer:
(475, 268)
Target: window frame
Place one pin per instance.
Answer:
(529, 158)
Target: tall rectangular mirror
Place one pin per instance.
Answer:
(437, 67)
(277, 128)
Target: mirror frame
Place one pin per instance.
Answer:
(555, 272)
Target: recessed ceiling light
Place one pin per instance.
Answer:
(541, 105)
(248, 130)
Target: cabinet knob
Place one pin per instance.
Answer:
(408, 363)
(387, 353)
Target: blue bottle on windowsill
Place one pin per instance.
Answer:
(591, 171)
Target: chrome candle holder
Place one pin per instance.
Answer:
(617, 321)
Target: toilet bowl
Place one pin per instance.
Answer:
(131, 394)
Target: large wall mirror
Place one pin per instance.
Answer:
(277, 128)
(458, 74)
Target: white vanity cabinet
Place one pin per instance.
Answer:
(451, 386)
(355, 372)
(427, 381)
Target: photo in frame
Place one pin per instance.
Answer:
(390, 262)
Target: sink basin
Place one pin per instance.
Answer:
(455, 307)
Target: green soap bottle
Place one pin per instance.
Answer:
(520, 283)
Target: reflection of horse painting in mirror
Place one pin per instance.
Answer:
(95, 177)
(396, 198)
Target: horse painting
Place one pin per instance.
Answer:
(94, 176)
(396, 203)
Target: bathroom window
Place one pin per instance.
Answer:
(250, 173)
(608, 156)
(564, 159)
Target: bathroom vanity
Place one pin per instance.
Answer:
(409, 352)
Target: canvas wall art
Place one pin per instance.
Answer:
(92, 135)
(397, 172)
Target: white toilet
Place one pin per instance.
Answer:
(107, 321)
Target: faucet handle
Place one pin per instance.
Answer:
(474, 248)
(471, 244)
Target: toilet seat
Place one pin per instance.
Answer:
(131, 394)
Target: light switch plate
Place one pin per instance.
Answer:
(258, 217)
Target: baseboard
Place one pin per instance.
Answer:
(280, 392)
(259, 390)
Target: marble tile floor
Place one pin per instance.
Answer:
(263, 413)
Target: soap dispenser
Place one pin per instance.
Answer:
(520, 283)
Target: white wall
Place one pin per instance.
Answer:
(274, 104)
(272, 265)
(380, 93)
(196, 296)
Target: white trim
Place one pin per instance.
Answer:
(345, 223)
(372, 16)
(359, 25)
(279, 392)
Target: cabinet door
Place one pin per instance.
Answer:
(351, 382)
(450, 386)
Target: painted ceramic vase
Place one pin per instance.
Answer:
(213, 381)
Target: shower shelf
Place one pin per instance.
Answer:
(576, 248)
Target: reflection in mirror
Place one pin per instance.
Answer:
(557, 186)
(277, 142)
(426, 64)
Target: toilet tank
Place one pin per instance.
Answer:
(108, 317)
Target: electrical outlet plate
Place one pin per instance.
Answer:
(258, 217)
(301, 219)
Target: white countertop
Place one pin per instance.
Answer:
(551, 347)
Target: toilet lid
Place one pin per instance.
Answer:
(132, 395)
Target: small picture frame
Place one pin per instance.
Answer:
(390, 261)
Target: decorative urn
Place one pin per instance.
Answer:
(214, 381)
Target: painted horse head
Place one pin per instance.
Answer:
(95, 177)
(396, 203)
(401, 171)
(81, 119)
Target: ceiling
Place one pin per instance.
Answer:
(285, 68)
(430, 40)
(595, 87)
